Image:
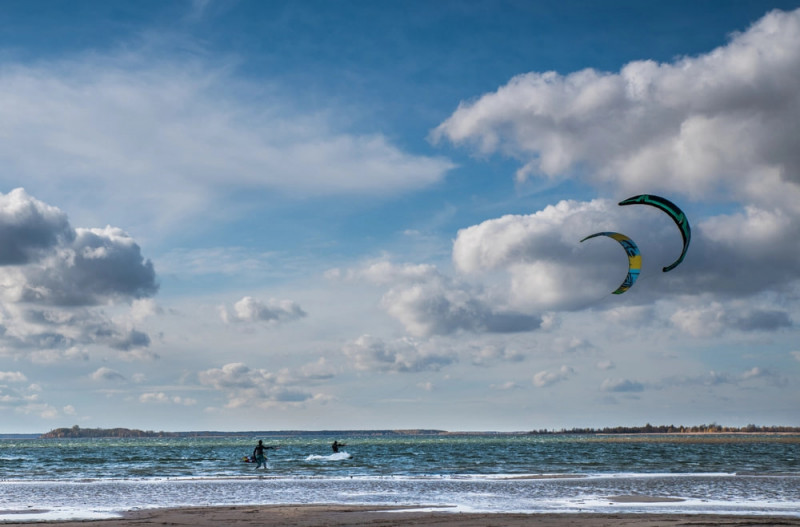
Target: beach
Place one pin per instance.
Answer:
(343, 515)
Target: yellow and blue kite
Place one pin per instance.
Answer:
(634, 258)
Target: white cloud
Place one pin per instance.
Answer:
(12, 376)
(491, 354)
(30, 228)
(245, 387)
(548, 378)
(726, 119)
(572, 345)
(547, 266)
(703, 321)
(720, 127)
(248, 309)
(368, 353)
(605, 365)
(58, 265)
(428, 302)
(714, 318)
(186, 128)
(107, 374)
(56, 280)
(536, 262)
(163, 398)
(548, 235)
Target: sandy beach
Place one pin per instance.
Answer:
(340, 515)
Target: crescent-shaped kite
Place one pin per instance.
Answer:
(634, 258)
(674, 212)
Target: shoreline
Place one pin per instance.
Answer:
(357, 515)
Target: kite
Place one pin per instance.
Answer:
(634, 258)
(674, 212)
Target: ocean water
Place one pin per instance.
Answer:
(101, 478)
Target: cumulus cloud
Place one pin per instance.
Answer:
(316, 371)
(548, 378)
(61, 266)
(204, 133)
(719, 127)
(107, 374)
(715, 318)
(545, 267)
(491, 354)
(100, 266)
(248, 309)
(428, 302)
(58, 279)
(572, 345)
(541, 254)
(726, 119)
(368, 353)
(244, 386)
(605, 365)
(746, 252)
(29, 228)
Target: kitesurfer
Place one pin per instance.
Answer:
(335, 446)
(259, 455)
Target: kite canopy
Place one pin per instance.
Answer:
(674, 212)
(634, 258)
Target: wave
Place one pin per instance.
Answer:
(338, 456)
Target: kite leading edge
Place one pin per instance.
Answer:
(634, 258)
(674, 212)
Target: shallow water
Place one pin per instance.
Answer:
(495, 473)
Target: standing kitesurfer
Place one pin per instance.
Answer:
(335, 446)
(259, 455)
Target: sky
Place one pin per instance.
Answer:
(312, 215)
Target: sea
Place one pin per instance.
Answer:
(83, 479)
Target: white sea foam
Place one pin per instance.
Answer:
(336, 456)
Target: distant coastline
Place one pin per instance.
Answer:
(78, 432)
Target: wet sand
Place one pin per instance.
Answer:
(355, 516)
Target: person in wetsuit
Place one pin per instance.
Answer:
(259, 455)
(335, 446)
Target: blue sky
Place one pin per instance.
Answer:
(319, 215)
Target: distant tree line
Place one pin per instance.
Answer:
(78, 432)
(712, 428)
